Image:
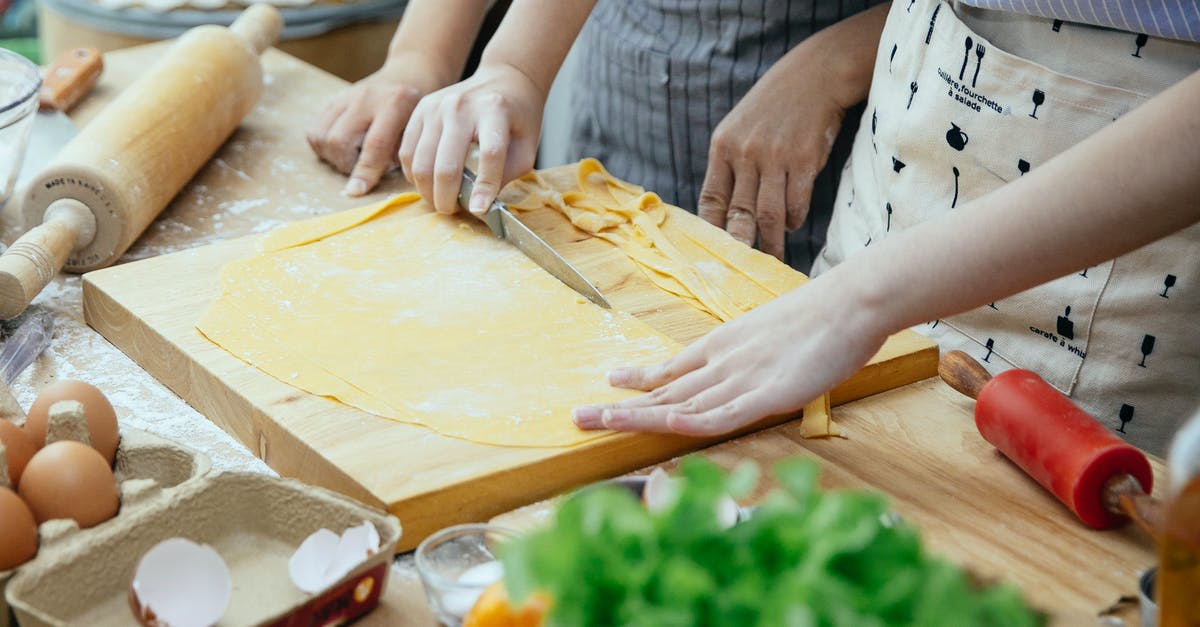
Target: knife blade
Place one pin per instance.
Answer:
(507, 227)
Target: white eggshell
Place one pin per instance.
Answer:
(183, 583)
(660, 491)
(308, 564)
(324, 557)
(728, 512)
(355, 546)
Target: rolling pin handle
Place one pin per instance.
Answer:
(961, 372)
(259, 25)
(38, 255)
(1124, 496)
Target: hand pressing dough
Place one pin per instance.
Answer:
(431, 320)
(427, 319)
(683, 256)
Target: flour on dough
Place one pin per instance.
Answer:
(431, 320)
(427, 319)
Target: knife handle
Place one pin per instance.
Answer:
(492, 216)
(69, 78)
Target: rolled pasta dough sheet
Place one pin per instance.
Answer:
(430, 320)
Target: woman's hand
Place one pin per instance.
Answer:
(766, 153)
(499, 107)
(359, 131)
(768, 362)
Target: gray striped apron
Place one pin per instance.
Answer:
(657, 76)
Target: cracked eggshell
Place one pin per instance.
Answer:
(661, 491)
(324, 557)
(181, 584)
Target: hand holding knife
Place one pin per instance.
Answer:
(507, 227)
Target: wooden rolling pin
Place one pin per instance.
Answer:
(86, 208)
(1096, 474)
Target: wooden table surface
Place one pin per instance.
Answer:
(917, 444)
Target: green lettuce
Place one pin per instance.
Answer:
(804, 558)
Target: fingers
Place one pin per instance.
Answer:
(452, 148)
(420, 172)
(320, 127)
(771, 213)
(724, 417)
(799, 197)
(410, 139)
(740, 220)
(493, 153)
(650, 377)
(715, 193)
(644, 413)
(336, 135)
(378, 149)
(714, 411)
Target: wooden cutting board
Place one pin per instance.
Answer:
(149, 308)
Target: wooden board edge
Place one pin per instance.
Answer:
(548, 480)
(890, 369)
(260, 434)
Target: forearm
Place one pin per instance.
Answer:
(440, 33)
(1124, 187)
(844, 52)
(535, 37)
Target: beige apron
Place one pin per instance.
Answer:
(951, 116)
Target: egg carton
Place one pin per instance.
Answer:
(254, 522)
(148, 469)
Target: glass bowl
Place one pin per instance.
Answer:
(19, 84)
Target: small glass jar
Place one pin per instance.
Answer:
(456, 565)
(19, 84)
(1178, 578)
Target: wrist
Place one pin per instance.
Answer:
(418, 69)
(863, 301)
(845, 55)
(531, 77)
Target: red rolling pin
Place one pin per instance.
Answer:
(1096, 474)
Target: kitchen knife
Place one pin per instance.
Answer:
(507, 227)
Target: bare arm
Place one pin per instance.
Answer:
(1102, 198)
(438, 34)
(1096, 201)
(359, 131)
(500, 106)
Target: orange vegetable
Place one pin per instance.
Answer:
(493, 609)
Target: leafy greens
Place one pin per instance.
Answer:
(804, 558)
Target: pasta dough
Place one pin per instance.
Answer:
(427, 319)
(431, 320)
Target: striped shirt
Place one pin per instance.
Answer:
(1172, 19)
(659, 75)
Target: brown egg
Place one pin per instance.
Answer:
(18, 447)
(18, 531)
(70, 480)
(101, 419)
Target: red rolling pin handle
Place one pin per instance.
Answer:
(1059, 445)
